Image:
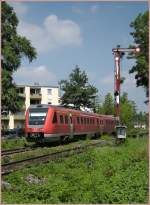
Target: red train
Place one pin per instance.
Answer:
(51, 123)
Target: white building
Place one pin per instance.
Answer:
(143, 126)
(32, 95)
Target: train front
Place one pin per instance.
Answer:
(35, 122)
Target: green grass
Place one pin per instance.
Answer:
(100, 175)
(14, 143)
(46, 150)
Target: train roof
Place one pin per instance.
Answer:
(68, 109)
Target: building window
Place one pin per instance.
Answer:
(49, 101)
(35, 91)
(35, 102)
(49, 91)
(20, 90)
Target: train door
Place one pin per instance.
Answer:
(71, 125)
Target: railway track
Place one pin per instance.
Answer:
(14, 151)
(16, 165)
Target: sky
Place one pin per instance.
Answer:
(67, 34)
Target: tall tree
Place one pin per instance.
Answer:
(128, 110)
(77, 90)
(140, 35)
(108, 105)
(14, 47)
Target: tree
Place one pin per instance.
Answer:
(141, 118)
(128, 110)
(140, 35)
(77, 90)
(14, 47)
(108, 105)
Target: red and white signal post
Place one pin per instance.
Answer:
(118, 54)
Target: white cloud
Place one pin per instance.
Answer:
(52, 34)
(30, 75)
(94, 8)
(19, 7)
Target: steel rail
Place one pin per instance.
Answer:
(16, 165)
(17, 150)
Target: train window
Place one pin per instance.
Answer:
(78, 120)
(37, 116)
(71, 120)
(93, 121)
(74, 120)
(61, 119)
(97, 121)
(66, 119)
(55, 118)
(90, 121)
(87, 120)
(84, 120)
(81, 120)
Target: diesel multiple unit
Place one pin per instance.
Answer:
(51, 123)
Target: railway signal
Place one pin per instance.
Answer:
(118, 54)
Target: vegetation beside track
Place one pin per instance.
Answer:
(101, 175)
(14, 143)
(137, 132)
(49, 149)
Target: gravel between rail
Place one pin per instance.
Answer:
(13, 166)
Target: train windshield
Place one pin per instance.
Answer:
(37, 116)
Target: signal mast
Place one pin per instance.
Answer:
(118, 54)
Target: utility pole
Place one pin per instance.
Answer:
(118, 54)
